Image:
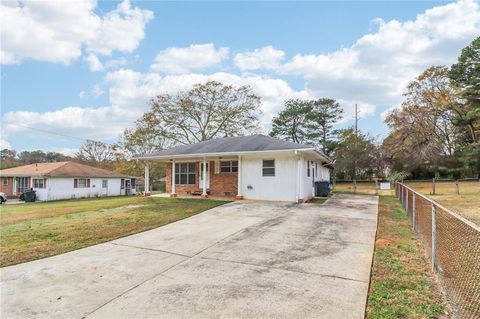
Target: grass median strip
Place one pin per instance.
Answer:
(401, 284)
(38, 230)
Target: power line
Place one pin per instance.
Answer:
(57, 134)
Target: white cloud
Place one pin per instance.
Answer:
(372, 72)
(4, 144)
(81, 94)
(183, 60)
(96, 65)
(73, 121)
(129, 93)
(376, 69)
(121, 29)
(93, 62)
(97, 90)
(265, 58)
(55, 31)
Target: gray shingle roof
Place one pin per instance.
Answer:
(249, 143)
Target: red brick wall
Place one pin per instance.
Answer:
(220, 183)
(181, 189)
(7, 189)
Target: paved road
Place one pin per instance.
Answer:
(240, 260)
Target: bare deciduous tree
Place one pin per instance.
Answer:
(206, 111)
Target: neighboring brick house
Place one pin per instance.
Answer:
(63, 180)
(252, 167)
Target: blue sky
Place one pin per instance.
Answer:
(93, 78)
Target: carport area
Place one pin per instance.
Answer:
(245, 259)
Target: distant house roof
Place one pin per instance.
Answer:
(59, 169)
(231, 145)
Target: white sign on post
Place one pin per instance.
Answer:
(385, 185)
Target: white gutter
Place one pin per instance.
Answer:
(217, 154)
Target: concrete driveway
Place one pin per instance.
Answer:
(241, 260)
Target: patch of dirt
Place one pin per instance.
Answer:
(383, 242)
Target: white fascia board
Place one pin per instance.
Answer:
(167, 158)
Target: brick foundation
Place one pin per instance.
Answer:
(221, 184)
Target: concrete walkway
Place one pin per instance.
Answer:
(241, 260)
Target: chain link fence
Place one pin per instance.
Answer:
(453, 245)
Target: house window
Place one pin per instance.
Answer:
(316, 170)
(308, 168)
(268, 168)
(38, 183)
(228, 166)
(185, 173)
(81, 183)
(104, 183)
(5, 181)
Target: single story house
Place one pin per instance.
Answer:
(64, 180)
(252, 167)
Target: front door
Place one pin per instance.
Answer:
(105, 187)
(127, 187)
(23, 184)
(201, 176)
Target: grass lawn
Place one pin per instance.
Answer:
(465, 204)
(37, 230)
(401, 284)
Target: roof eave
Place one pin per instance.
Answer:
(169, 157)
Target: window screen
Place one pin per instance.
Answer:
(38, 183)
(228, 166)
(268, 168)
(185, 173)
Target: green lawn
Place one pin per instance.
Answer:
(401, 284)
(37, 230)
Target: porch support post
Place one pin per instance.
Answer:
(299, 180)
(173, 193)
(239, 179)
(204, 179)
(147, 179)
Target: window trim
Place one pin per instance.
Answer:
(189, 174)
(268, 167)
(34, 183)
(231, 168)
(76, 182)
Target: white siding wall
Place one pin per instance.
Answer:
(280, 187)
(62, 188)
(308, 190)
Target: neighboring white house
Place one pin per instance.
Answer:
(251, 167)
(64, 180)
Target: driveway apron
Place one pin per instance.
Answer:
(246, 259)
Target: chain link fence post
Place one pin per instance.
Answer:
(434, 235)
